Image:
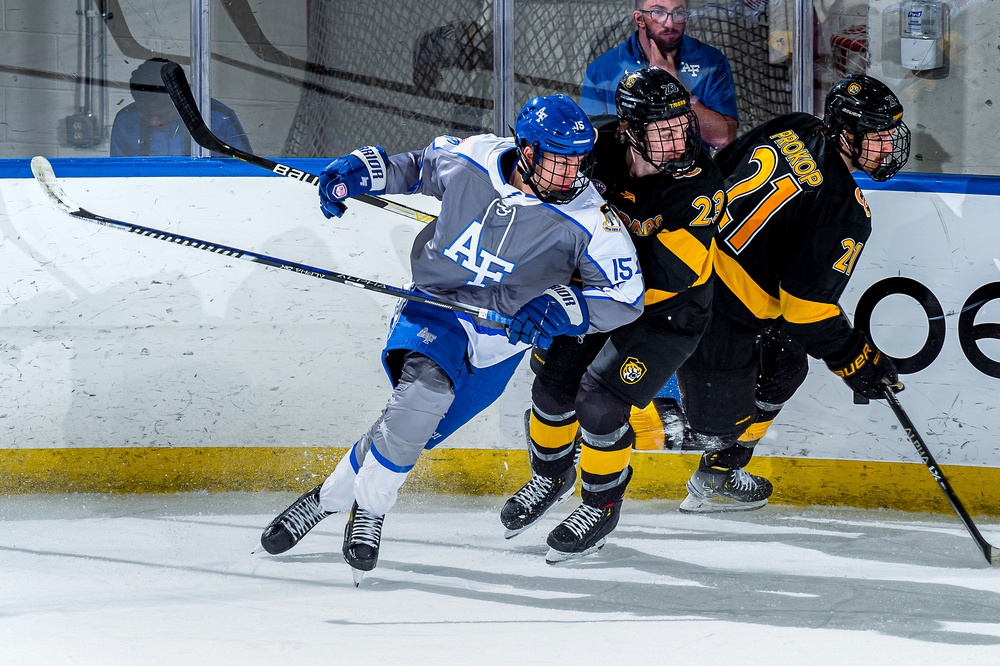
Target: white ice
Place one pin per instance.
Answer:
(170, 579)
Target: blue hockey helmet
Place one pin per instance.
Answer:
(554, 125)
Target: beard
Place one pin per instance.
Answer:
(667, 41)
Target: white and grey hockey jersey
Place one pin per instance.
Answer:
(496, 247)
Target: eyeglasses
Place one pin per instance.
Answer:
(660, 15)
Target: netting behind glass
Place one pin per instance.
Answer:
(400, 72)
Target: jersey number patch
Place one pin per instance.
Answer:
(781, 190)
(708, 209)
(846, 263)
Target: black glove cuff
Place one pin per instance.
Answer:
(860, 352)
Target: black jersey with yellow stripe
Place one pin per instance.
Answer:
(794, 227)
(671, 219)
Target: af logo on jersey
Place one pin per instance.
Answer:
(632, 370)
(465, 252)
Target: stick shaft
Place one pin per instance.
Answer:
(991, 553)
(180, 94)
(47, 179)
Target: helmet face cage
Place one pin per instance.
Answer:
(877, 141)
(549, 174)
(882, 153)
(650, 95)
(678, 137)
(558, 132)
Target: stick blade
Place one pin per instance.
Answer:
(41, 168)
(180, 93)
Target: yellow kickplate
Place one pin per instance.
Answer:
(658, 475)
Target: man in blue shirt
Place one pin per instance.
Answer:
(152, 126)
(660, 42)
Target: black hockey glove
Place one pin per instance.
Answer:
(865, 369)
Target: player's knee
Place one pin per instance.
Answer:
(783, 368)
(419, 369)
(598, 411)
(719, 403)
(553, 397)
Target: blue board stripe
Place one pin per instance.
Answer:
(154, 167)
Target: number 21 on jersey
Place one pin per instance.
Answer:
(779, 192)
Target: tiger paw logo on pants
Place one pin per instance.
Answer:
(632, 370)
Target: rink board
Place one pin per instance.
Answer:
(159, 352)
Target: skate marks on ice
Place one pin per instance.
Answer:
(444, 560)
(914, 579)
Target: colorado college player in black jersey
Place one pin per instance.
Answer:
(795, 224)
(670, 197)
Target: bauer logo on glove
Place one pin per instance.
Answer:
(361, 172)
(560, 310)
(859, 361)
(865, 369)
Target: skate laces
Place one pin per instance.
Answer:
(535, 491)
(740, 479)
(303, 516)
(366, 528)
(583, 519)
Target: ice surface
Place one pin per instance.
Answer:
(170, 579)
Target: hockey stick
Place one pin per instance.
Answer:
(42, 170)
(182, 97)
(991, 553)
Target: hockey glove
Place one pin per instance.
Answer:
(866, 370)
(560, 310)
(361, 172)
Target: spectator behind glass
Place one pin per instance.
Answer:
(660, 42)
(151, 125)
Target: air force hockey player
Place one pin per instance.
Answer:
(519, 219)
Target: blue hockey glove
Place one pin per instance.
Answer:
(866, 370)
(560, 310)
(361, 172)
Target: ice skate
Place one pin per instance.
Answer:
(362, 536)
(715, 490)
(583, 532)
(536, 498)
(293, 523)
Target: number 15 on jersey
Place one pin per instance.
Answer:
(624, 269)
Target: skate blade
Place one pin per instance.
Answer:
(556, 556)
(358, 576)
(510, 534)
(692, 504)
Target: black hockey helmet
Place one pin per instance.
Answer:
(651, 94)
(863, 105)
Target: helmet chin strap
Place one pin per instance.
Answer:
(851, 153)
(526, 169)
